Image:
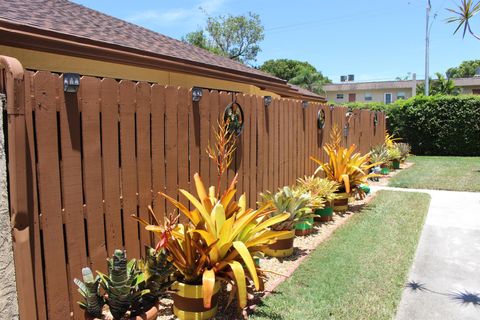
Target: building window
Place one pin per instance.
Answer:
(401, 95)
(340, 96)
(368, 97)
(388, 98)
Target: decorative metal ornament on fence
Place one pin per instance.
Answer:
(321, 119)
(233, 117)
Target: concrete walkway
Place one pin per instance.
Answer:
(444, 280)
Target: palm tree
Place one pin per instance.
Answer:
(441, 85)
(465, 11)
(444, 85)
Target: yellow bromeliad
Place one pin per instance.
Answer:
(219, 240)
(344, 166)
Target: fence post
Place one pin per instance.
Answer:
(8, 290)
(19, 224)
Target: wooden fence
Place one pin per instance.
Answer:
(95, 157)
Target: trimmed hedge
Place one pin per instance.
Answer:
(436, 125)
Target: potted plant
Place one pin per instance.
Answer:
(131, 289)
(344, 166)
(322, 192)
(404, 149)
(297, 206)
(218, 243)
(393, 153)
(394, 156)
(379, 155)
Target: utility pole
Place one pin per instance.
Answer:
(427, 49)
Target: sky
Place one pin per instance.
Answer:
(373, 39)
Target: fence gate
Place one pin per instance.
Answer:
(80, 164)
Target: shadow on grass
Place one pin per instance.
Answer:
(268, 314)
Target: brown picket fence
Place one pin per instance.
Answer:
(82, 163)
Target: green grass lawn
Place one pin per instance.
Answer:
(360, 271)
(444, 173)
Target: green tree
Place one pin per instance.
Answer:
(463, 14)
(236, 37)
(300, 73)
(311, 80)
(466, 69)
(286, 69)
(441, 85)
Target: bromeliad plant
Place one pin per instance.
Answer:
(321, 190)
(295, 203)
(122, 284)
(404, 149)
(344, 166)
(131, 287)
(93, 301)
(221, 236)
(219, 241)
(379, 154)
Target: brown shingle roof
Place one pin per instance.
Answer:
(73, 19)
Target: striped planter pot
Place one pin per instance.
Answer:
(188, 302)
(341, 203)
(304, 228)
(325, 214)
(396, 164)
(281, 248)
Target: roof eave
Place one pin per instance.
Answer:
(27, 37)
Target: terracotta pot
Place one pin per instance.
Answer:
(151, 314)
(341, 203)
(283, 247)
(188, 302)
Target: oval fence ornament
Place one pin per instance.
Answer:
(233, 117)
(321, 119)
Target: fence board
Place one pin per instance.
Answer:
(182, 138)
(41, 311)
(262, 159)
(144, 164)
(110, 167)
(128, 167)
(72, 192)
(193, 139)
(158, 149)
(224, 99)
(92, 171)
(269, 131)
(50, 196)
(253, 171)
(214, 118)
(240, 153)
(171, 180)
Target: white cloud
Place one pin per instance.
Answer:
(177, 15)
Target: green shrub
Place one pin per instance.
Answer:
(438, 125)
(434, 125)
